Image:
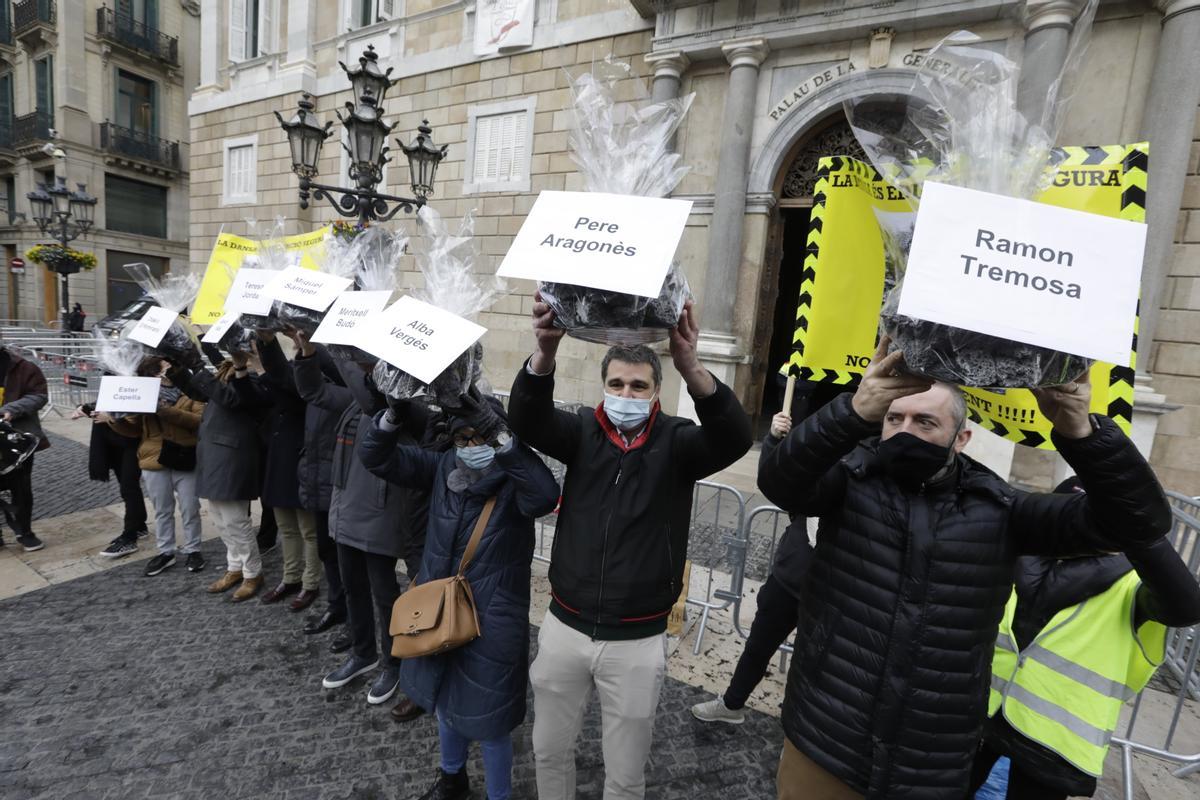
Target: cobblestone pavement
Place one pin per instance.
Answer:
(121, 686)
(60, 481)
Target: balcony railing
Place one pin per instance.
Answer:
(126, 31)
(31, 128)
(126, 142)
(30, 13)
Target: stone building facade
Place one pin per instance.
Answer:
(769, 79)
(108, 85)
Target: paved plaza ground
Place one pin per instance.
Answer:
(115, 685)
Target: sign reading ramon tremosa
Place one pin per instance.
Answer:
(615, 242)
(1030, 272)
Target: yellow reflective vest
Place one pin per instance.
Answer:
(1065, 689)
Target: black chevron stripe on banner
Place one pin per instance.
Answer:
(1031, 438)
(819, 199)
(997, 428)
(805, 300)
(817, 224)
(809, 274)
(802, 323)
(1135, 195)
(1095, 155)
(1137, 159)
(1120, 408)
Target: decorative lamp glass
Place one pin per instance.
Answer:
(42, 205)
(305, 137)
(83, 207)
(60, 195)
(365, 134)
(423, 159)
(368, 76)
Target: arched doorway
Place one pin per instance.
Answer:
(784, 261)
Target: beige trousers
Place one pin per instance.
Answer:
(238, 534)
(799, 778)
(627, 677)
(301, 562)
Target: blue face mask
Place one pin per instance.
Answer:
(627, 413)
(477, 456)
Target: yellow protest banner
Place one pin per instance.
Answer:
(842, 285)
(230, 253)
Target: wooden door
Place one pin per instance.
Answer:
(50, 310)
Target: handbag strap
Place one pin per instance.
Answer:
(476, 535)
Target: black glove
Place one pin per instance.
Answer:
(189, 359)
(398, 409)
(479, 413)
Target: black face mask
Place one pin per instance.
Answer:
(912, 461)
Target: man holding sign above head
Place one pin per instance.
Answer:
(621, 542)
(887, 692)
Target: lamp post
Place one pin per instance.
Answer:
(64, 216)
(366, 137)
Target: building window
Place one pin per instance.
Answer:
(361, 13)
(135, 207)
(499, 145)
(43, 71)
(250, 28)
(6, 109)
(144, 12)
(241, 171)
(136, 103)
(122, 289)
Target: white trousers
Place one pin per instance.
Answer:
(627, 676)
(238, 534)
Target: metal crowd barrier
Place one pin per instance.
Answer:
(1180, 662)
(71, 379)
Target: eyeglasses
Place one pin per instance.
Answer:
(465, 439)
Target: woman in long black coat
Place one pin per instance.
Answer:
(478, 690)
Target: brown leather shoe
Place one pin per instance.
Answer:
(225, 582)
(406, 710)
(248, 589)
(304, 599)
(279, 592)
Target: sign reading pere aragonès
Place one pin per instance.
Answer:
(417, 337)
(119, 393)
(1030, 272)
(614, 242)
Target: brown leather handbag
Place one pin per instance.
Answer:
(439, 615)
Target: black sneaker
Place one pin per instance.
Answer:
(342, 642)
(159, 563)
(123, 545)
(450, 786)
(347, 672)
(30, 542)
(194, 562)
(142, 533)
(385, 685)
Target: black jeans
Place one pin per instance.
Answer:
(774, 620)
(370, 584)
(19, 483)
(328, 553)
(1021, 785)
(129, 479)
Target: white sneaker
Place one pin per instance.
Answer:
(715, 711)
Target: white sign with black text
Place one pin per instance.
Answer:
(416, 337)
(616, 242)
(247, 295)
(350, 310)
(129, 395)
(153, 326)
(219, 328)
(1053, 277)
(306, 288)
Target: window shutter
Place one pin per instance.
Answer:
(42, 78)
(500, 155)
(237, 30)
(387, 9)
(266, 27)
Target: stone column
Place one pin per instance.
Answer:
(1167, 123)
(718, 346)
(302, 20)
(1048, 26)
(668, 74)
(211, 53)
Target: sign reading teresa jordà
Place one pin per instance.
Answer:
(1025, 271)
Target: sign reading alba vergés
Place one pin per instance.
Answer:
(1030, 272)
(615, 242)
(416, 337)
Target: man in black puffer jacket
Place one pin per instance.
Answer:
(888, 690)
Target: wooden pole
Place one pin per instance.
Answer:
(788, 393)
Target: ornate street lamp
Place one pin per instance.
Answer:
(63, 215)
(366, 137)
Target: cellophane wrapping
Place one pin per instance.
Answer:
(456, 280)
(965, 127)
(330, 258)
(621, 148)
(119, 356)
(372, 257)
(175, 292)
(273, 254)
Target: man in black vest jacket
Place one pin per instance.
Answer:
(887, 692)
(619, 549)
